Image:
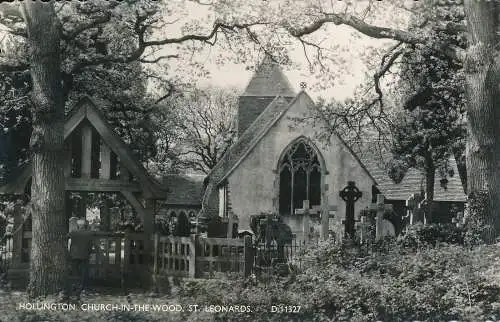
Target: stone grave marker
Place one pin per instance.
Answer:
(350, 194)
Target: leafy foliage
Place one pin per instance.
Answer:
(420, 235)
(432, 127)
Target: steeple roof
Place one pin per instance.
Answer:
(269, 80)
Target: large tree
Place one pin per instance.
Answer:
(207, 126)
(49, 269)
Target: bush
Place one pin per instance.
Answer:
(441, 283)
(420, 235)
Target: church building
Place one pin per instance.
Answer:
(279, 165)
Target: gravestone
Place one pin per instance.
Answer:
(381, 208)
(364, 230)
(386, 228)
(415, 209)
(350, 194)
(306, 213)
(182, 226)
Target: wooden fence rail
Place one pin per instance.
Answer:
(122, 258)
(201, 257)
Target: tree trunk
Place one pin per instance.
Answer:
(49, 265)
(482, 67)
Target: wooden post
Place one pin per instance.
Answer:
(193, 241)
(149, 217)
(86, 151)
(230, 221)
(248, 254)
(113, 165)
(82, 206)
(68, 159)
(155, 261)
(105, 161)
(105, 214)
(95, 154)
(126, 258)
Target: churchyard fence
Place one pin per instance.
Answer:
(135, 259)
(5, 253)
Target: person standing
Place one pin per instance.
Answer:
(79, 251)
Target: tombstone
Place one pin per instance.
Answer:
(364, 230)
(415, 211)
(331, 220)
(182, 226)
(381, 208)
(305, 219)
(387, 228)
(350, 194)
(423, 206)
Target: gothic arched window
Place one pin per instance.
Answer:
(300, 178)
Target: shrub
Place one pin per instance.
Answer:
(420, 235)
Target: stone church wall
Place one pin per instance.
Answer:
(254, 183)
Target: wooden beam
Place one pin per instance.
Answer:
(105, 161)
(86, 151)
(102, 185)
(74, 121)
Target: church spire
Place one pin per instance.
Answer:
(267, 82)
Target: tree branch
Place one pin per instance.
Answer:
(153, 61)
(384, 68)
(71, 35)
(374, 32)
(140, 30)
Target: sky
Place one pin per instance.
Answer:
(349, 49)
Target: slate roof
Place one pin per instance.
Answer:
(251, 136)
(269, 80)
(414, 181)
(246, 142)
(183, 190)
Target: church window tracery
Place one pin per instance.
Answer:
(300, 178)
